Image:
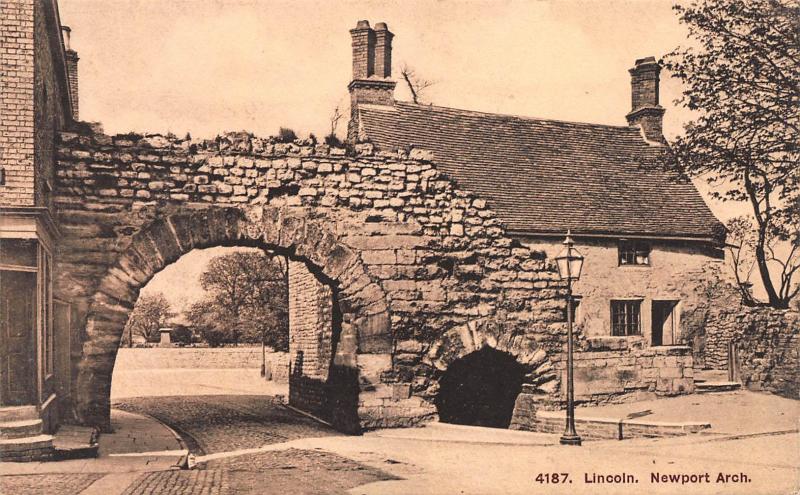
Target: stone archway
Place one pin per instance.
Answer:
(539, 375)
(457, 343)
(300, 235)
(480, 389)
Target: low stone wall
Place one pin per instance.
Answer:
(615, 428)
(767, 343)
(188, 357)
(614, 370)
(769, 352)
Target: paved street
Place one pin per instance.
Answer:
(220, 423)
(254, 444)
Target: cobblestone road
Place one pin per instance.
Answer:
(224, 424)
(221, 423)
(45, 484)
(227, 423)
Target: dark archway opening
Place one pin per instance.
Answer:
(480, 389)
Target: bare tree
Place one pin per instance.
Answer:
(415, 84)
(337, 115)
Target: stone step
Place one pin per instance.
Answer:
(704, 387)
(20, 429)
(75, 442)
(28, 449)
(18, 413)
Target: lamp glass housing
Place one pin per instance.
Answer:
(569, 261)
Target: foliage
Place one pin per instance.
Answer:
(247, 301)
(286, 135)
(150, 313)
(181, 334)
(742, 78)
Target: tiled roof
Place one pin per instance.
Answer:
(547, 176)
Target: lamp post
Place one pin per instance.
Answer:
(570, 263)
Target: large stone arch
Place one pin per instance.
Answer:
(298, 234)
(404, 245)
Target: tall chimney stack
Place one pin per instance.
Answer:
(72, 70)
(372, 70)
(646, 113)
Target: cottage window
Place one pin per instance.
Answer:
(626, 318)
(634, 253)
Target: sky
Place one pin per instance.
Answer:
(209, 66)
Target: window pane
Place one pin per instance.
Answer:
(625, 318)
(18, 252)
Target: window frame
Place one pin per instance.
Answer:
(637, 246)
(629, 318)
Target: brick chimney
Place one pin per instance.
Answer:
(372, 70)
(646, 113)
(72, 70)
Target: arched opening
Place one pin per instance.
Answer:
(358, 304)
(480, 389)
(213, 322)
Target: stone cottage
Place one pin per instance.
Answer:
(648, 238)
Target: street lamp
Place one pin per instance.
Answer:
(570, 263)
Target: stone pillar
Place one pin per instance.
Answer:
(166, 340)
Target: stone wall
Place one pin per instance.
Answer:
(619, 369)
(767, 344)
(311, 336)
(677, 272)
(422, 272)
(189, 357)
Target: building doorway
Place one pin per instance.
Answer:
(17, 343)
(665, 325)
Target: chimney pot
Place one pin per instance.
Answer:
(362, 25)
(381, 26)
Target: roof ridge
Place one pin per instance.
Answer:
(478, 113)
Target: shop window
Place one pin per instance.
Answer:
(626, 318)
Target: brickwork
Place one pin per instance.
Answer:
(16, 102)
(422, 271)
(72, 71)
(190, 358)
(615, 429)
(32, 106)
(645, 110)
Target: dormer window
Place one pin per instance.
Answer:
(634, 252)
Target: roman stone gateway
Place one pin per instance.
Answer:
(404, 283)
(420, 273)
